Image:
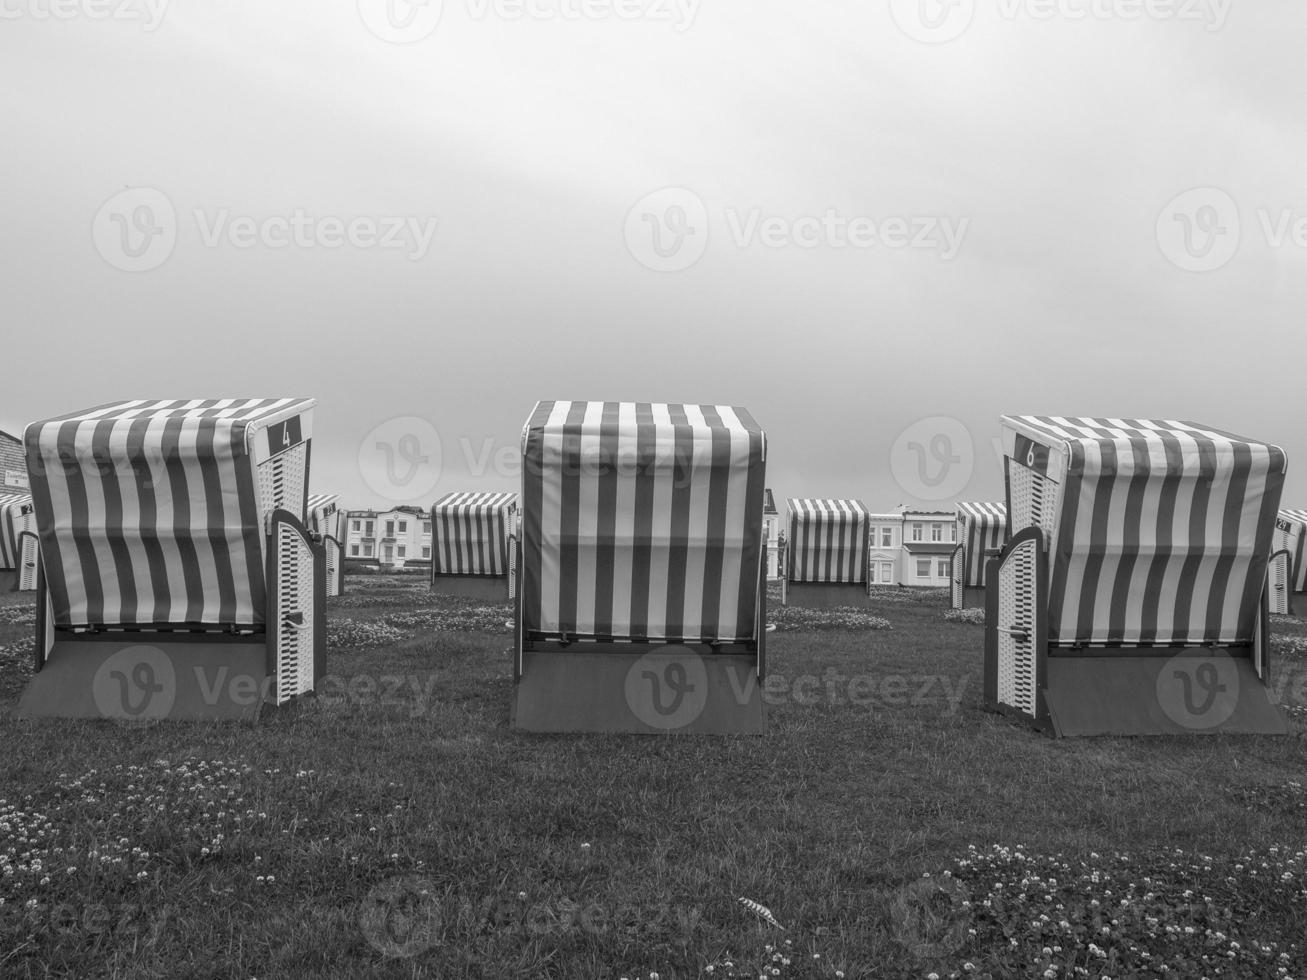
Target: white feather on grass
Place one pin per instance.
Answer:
(762, 912)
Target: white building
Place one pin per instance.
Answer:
(929, 538)
(885, 550)
(911, 547)
(388, 537)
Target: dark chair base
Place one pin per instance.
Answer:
(145, 677)
(488, 588)
(640, 689)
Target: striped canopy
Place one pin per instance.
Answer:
(152, 512)
(15, 518)
(1291, 535)
(828, 540)
(470, 532)
(323, 511)
(642, 521)
(981, 528)
(1160, 532)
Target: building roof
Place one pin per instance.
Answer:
(769, 502)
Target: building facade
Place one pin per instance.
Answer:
(929, 538)
(909, 547)
(392, 538)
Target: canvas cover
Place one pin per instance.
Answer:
(981, 528)
(1160, 531)
(150, 512)
(641, 521)
(16, 516)
(827, 540)
(470, 532)
(1291, 536)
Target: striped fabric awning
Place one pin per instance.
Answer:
(15, 518)
(323, 513)
(1163, 531)
(642, 521)
(152, 512)
(828, 540)
(470, 532)
(1291, 535)
(981, 528)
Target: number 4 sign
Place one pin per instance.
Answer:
(284, 435)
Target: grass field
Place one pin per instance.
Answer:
(395, 826)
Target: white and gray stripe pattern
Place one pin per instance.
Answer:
(828, 540)
(642, 521)
(981, 528)
(1164, 532)
(470, 532)
(148, 511)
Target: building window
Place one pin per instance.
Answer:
(426, 551)
(936, 532)
(923, 568)
(357, 525)
(942, 569)
(886, 573)
(402, 550)
(390, 529)
(403, 527)
(426, 527)
(916, 532)
(886, 537)
(353, 549)
(368, 529)
(367, 551)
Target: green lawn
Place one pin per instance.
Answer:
(396, 826)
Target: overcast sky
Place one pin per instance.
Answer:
(873, 224)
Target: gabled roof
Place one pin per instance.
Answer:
(769, 503)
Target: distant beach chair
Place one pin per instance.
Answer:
(472, 539)
(981, 533)
(327, 522)
(827, 550)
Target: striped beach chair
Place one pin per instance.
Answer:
(981, 533)
(641, 599)
(19, 554)
(1288, 560)
(827, 553)
(177, 577)
(327, 523)
(1132, 595)
(471, 545)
